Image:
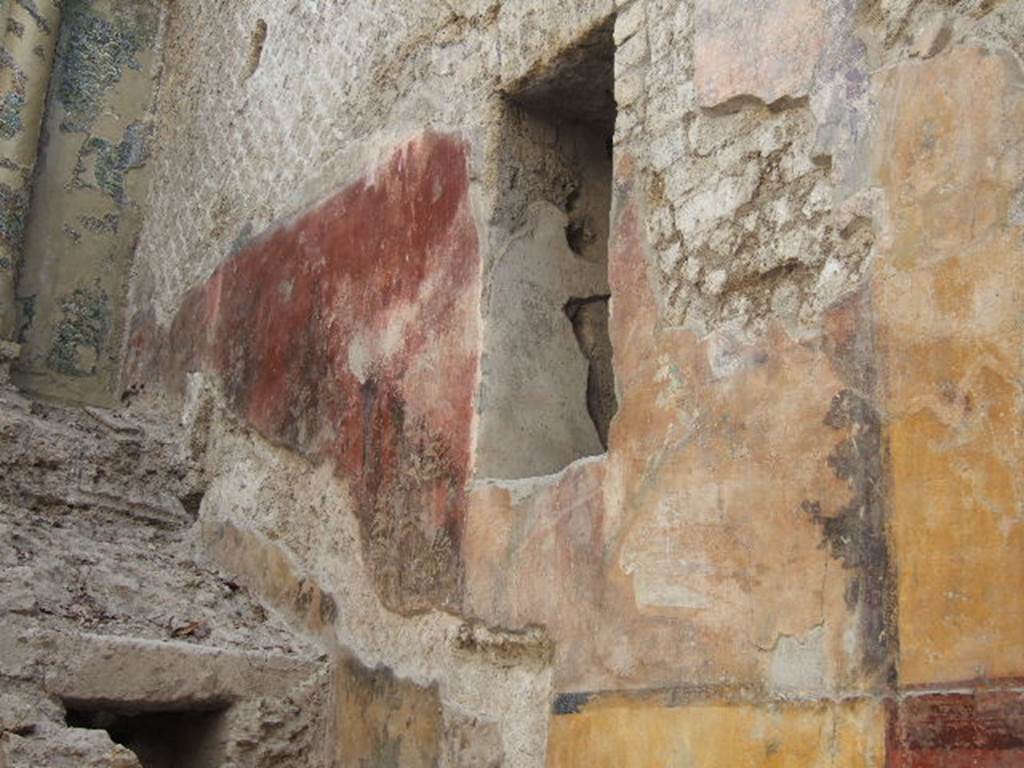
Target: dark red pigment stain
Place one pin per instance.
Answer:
(857, 536)
(984, 729)
(343, 335)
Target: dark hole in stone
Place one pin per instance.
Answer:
(589, 318)
(192, 502)
(181, 739)
(132, 392)
(256, 42)
(579, 85)
(576, 236)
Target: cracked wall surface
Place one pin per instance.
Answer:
(384, 239)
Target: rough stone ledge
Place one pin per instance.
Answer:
(147, 675)
(524, 487)
(52, 453)
(502, 646)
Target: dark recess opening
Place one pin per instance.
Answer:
(579, 86)
(589, 318)
(256, 42)
(547, 392)
(159, 739)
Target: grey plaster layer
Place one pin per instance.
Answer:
(534, 417)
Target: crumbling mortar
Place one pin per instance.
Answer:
(738, 288)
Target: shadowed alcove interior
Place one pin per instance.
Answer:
(160, 739)
(547, 392)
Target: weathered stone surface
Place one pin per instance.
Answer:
(532, 355)
(534, 32)
(948, 293)
(547, 253)
(94, 535)
(372, 221)
(746, 222)
(8, 354)
(65, 748)
(765, 51)
(107, 606)
(272, 574)
(155, 676)
(681, 556)
(53, 454)
(309, 567)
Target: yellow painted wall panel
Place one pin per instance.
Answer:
(638, 735)
(949, 295)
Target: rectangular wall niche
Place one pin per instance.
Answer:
(547, 392)
(179, 739)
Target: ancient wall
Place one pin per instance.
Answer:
(26, 64)
(799, 541)
(82, 222)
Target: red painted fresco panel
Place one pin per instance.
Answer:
(348, 334)
(984, 729)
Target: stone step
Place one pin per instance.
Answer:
(78, 694)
